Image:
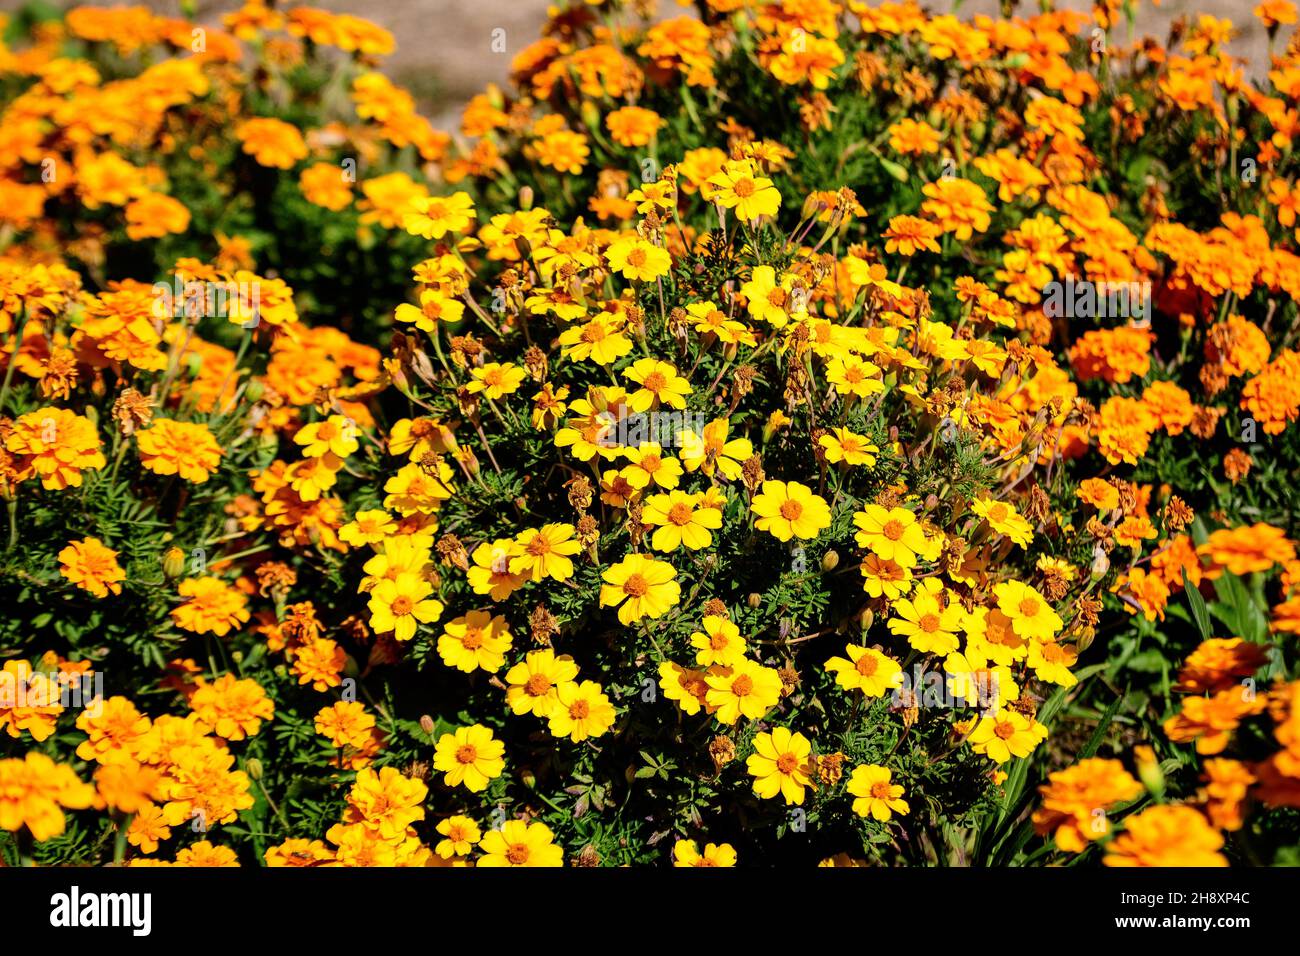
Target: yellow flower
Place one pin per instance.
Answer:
(435, 306)
(660, 384)
(600, 339)
(709, 450)
(533, 685)
(686, 853)
(635, 258)
(780, 765)
(496, 379)
(884, 578)
(544, 552)
(232, 707)
(770, 301)
(581, 711)
(738, 186)
(640, 587)
(719, 643)
(56, 444)
(1004, 519)
(876, 796)
(892, 534)
(1031, 616)
(929, 627)
(790, 510)
(368, 526)
(521, 844)
(681, 521)
(849, 447)
(470, 756)
(867, 670)
(854, 376)
(460, 834)
(1006, 734)
(386, 803)
(432, 217)
(475, 640)
(336, 435)
(648, 464)
(743, 689)
(490, 572)
(402, 604)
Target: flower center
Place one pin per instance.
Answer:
(636, 257)
(880, 790)
(742, 685)
(402, 606)
(997, 513)
(473, 638)
(1029, 607)
(680, 514)
(867, 665)
(466, 753)
(787, 763)
(1005, 729)
(538, 546)
(517, 854)
(791, 510)
(635, 586)
(654, 382)
(579, 710)
(893, 529)
(538, 685)
(929, 623)
(744, 188)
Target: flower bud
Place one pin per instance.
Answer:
(253, 767)
(173, 563)
(426, 724)
(830, 561)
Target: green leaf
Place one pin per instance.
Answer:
(1200, 613)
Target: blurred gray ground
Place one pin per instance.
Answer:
(445, 50)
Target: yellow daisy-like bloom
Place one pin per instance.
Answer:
(1031, 616)
(780, 765)
(544, 552)
(892, 534)
(114, 733)
(233, 708)
(635, 258)
(686, 853)
(432, 217)
(681, 521)
(582, 710)
(974, 679)
(1051, 662)
(739, 187)
(600, 339)
(709, 450)
(169, 447)
(470, 756)
(475, 640)
(768, 300)
(345, 723)
(867, 670)
(460, 834)
(212, 607)
(1166, 836)
(744, 689)
(1006, 734)
(435, 306)
(1004, 519)
(876, 795)
(660, 384)
(719, 643)
(842, 445)
(496, 379)
(686, 687)
(336, 435)
(649, 465)
(370, 526)
(854, 376)
(884, 578)
(533, 685)
(640, 587)
(790, 510)
(490, 572)
(521, 844)
(92, 567)
(929, 626)
(402, 604)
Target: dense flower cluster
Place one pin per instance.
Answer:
(794, 432)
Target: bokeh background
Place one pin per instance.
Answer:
(444, 47)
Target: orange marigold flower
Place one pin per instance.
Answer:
(1166, 836)
(233, 708)
(271, 142)
(92, 567)
(213, 607)
(1247, 549)
(169, 447)
(56, 444)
